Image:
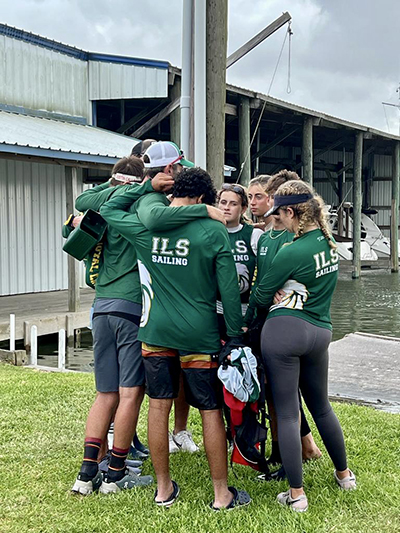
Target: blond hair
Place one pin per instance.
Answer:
(307, 213)
(261, 180)
(279, 179)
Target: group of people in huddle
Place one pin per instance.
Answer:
(184, 267)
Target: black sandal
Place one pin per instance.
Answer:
(171, 499)
(240, 498)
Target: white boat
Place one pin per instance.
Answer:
(345, 243)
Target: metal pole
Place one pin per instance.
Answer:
(244, 141)
(186, 81)
(307, 151)
(357, 204)
(394, 225)
(34, 345)
(61, 349)
(200, 132)
(12, 332)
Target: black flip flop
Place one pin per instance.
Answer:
(171, 499)
(240, 498)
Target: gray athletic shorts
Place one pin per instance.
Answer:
(117, 353)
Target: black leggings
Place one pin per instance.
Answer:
(295, 354)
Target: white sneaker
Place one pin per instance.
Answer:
(299, 504)
(173, 447)
(184, 442)
(348, 482)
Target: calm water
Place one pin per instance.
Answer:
(370, 304)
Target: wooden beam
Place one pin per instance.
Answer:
(156, 119)
(137, 118)
(71, 189)
(357, 204)
(394, 222)
(257, 39)
(216, 49)
(284, 135)
(244, 141)
(307, 157)
(230, 109)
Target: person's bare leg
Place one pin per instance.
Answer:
(181, 409)
(215, 446)
(309, 449)
(100, 415)
(126, 416)
(158, 443)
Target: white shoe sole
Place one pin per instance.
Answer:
(82, 487)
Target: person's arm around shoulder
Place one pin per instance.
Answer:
(94, 197)
(279, 272)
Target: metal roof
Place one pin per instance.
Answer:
(66, 49)
(42, 137)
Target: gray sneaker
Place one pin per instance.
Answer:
(347, 483)
(299, 504)
(87, 487)
(129, 481)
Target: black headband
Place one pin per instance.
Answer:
(290, 199)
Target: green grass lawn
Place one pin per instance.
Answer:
(42, 420)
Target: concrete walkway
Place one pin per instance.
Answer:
(366, 367)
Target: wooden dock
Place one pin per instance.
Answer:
(48, 311)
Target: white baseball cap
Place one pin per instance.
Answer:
(165, 153)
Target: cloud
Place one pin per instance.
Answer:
(345, 58)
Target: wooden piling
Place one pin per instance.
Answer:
(216, 51)
(394, 222)
(357, 204)
(307, 156)
(71, 186)
(244, 141)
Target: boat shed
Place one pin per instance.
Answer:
(54, 100)
(49, 144)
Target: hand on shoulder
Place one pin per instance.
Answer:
(216, 214)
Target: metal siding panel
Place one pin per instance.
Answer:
(111, 81)
(34, 77)
(32, 213)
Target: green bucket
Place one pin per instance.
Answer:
(85, 236)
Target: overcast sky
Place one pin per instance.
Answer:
(345, 53)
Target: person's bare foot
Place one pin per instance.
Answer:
(309, 449)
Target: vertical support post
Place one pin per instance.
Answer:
(175, 116)
(216, 51)
(200, 124)
(357, 204)
(186, 82)
(61, 349)
(394, 222)
(244, 141)
(34, 345)
(258, 142)
(27, 337)
(71, 187)
(12, 332)
(307, 156)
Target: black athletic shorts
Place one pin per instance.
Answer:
(163, 366)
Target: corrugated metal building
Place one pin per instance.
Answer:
(49, 95)
(48, 92)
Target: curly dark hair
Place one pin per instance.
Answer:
(195, 182)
